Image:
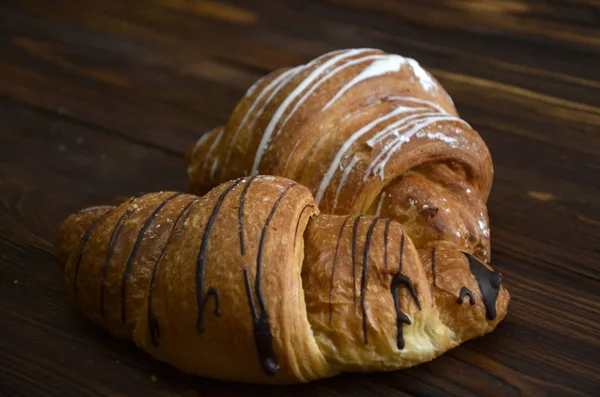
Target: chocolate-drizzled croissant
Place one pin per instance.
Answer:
(250, 283)
(368, 133)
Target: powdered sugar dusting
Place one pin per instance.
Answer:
(453, 142)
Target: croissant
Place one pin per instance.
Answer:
(251, 283)
(368, 133)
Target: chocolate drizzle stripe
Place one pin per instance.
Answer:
(433, 275)
(134, 252)
(153, 326)
(299, 220)
(201, 298)
(335, 257)
(354, 244)
(263, 237)
(109, 252)
(262, 327)
(401, 318)
(489, 284)
(464, 291)
(397, 281)
(363, 279)
(82, 244)
(253, 311)
(385, 242)
(241, 214)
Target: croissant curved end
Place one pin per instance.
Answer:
(73, 229)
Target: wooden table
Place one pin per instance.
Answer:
(99, 99)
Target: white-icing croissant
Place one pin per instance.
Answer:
(368, 133)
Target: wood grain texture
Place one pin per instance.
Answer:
(99, 99)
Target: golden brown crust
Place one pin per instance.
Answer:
(268, 229)
(352, 125)
(238, 284)
(351, 304)
(456, 277)
(439, 208)
(108, 279)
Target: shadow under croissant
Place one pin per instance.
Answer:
(449, 373)
(453, 373)
(445, 374)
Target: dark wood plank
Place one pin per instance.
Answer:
(98, 101)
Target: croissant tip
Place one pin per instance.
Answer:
(72, 230)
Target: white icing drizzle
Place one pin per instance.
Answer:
(322, 80)
(389, 130)
(386, 64)
(287, 162)
(275, 85)
(378, 211)
(368, 103)
(266, 138)
(200, 142)
(346, 146)
(213, 169)
(212, 148)
(254, 86)
(394, 127)
(345, 175)
(424, 78)
(420, 101)
(397, 143)
(278, 84)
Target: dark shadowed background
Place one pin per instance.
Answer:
(99, 99)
